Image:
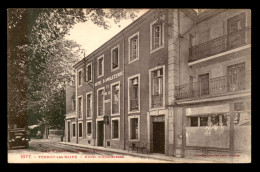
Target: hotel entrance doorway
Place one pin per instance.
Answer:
(100, 133)
(158, 137)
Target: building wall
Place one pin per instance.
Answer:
(70, 93)
(72, 139)
(142, 66)
(199, 140)
(146, 61)
(177, 71)
(217, 25)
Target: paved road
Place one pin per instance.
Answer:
(45, 151)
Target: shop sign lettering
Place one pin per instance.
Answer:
(109, 78)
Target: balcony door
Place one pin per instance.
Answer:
(236, 34)
(236, 77)
(204, 84)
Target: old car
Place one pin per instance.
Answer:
(18, 138)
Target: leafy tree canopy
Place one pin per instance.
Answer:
(40, 59)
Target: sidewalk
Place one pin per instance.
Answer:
(190, 159)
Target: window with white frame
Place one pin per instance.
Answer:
(101, 101)
(88, 128)
(156, 35)
(115, 128)
(89, 72)
(80, 129)
(134, 93)
(80, 107)
(115, 58)
(115, 91)
(89, 104)
(80, 78)
(133, 47)
(134, 128)
(157, 88)
(100, 66)
(73, 130)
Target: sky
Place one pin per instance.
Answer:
(91, 36)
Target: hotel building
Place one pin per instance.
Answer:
(175, 79)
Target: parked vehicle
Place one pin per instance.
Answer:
(18, 138)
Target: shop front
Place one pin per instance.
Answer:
(218, 129)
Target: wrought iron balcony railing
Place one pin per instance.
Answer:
(89, 112)
(221, 44)
(80, 114)
(100, 111)
(115, 108)
(133, 104)
(213, 87)
(157, 100)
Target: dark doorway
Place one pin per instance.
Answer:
(68, 131)
(100, 137)
(158, 137)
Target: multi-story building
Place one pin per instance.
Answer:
(70, 122)
(171, 79)
(213, 97)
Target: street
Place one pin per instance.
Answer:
(46, 151)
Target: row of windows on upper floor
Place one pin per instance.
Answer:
(156, 95)
(156, 43)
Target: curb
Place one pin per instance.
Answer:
(174, 159)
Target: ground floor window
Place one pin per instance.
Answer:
(209, 120)
(73, 130)
(134, 128)
(115, 129)
(88, 127)
(80, 129)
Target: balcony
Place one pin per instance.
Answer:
(157, 100)
(133, 104)
(219, 45)
(212, 87)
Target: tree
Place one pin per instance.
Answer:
(39, 58)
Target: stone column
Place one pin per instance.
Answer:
(173, 71)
